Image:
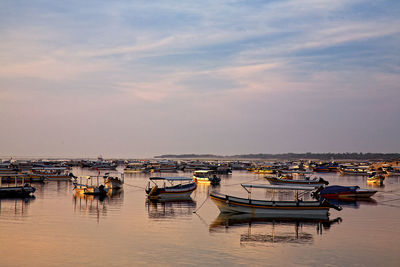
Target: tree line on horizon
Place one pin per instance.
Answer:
(297, 156)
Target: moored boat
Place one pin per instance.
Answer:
(326, 167)
(297, 207)
(178, 187)
(392, 171)
(17, 191)
(91, 189)
(375, 179)
(113, 182)
(53, 173)
(345, 192)
(206, 176)
(307, 181)
(360, 170)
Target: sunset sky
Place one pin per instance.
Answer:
(143, 78)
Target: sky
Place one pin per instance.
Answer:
(144, 78)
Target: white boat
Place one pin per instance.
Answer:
(113, 182)
(170, 187)
(297, 207)
(90, 189)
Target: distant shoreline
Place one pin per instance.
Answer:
(347, 156)
(291, 156)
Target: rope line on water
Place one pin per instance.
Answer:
(242, 182)
(201, 205)
(135, 186)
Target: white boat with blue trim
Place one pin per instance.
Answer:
(297, 207)
(170, 187)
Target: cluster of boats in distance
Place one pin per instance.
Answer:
(311, 194)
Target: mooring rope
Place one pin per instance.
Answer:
(242, 182)
(201, 205)
(135, 186)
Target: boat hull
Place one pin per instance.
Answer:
(170, 193)
(345, 192)
(278, 181)
(113, 183)
(17, 191)
(349, 195)
(302, 209)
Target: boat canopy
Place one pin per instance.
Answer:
(171, 178)
(307, 187)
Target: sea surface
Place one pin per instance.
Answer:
(57, 228)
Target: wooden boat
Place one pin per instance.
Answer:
(360, 170)
(91, 189)
(297, 207)
(23, 177)
(307, 181)
(206, 176)
(53, 173)
(182, 190)
(113, 182)
(392, 171)
(17, 191)
(326, 167)
(345, 192)
(375, 179)
(264, 171)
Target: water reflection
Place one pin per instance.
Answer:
(17, 207)
(353, 203)
(166, 209)
(278, 229)
(98, 205)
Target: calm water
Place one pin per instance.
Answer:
(57, 229)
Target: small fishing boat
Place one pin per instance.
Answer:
(113, 182)
(307, 181)
(178, 187)
(17, 191)
(344, 192)
(206, 176)
(53, 173)
(91, 189)
(326, 167)
(360, 170)
(392, 171)
(265, 171)
(297, 207)
(375, 179)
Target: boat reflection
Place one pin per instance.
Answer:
(375, 185)
(279, 229)
(167, 209)
(15, 206)
(98, 205)
(354, 203)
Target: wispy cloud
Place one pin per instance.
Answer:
(237, 59)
